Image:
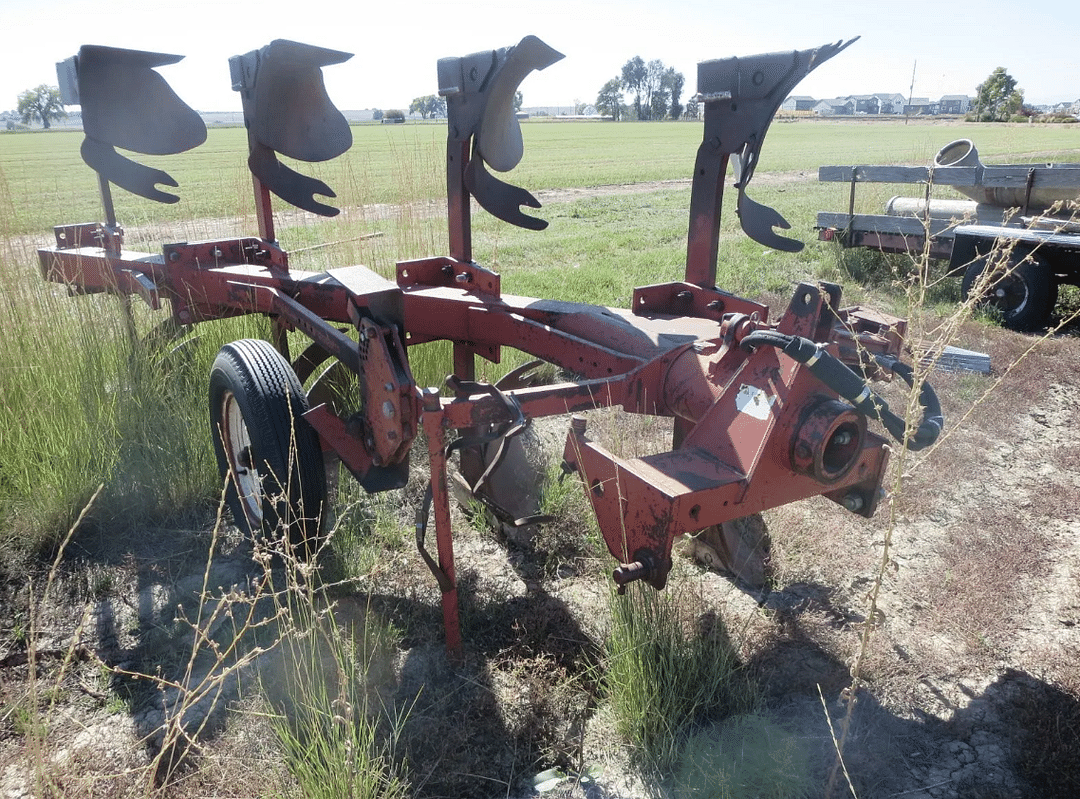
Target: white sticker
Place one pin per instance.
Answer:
(753, 401)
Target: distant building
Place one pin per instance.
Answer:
(954, 104)
(839, 106)
(920, 106)
(890, 103)
(865, 103)
(798, 103)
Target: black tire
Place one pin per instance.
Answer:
(1024, 294)
(269, 456)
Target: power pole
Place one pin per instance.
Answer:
(911, 93)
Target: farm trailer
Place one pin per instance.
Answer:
(765, 412)
(1019, 227)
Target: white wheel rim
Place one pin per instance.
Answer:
(237, 444)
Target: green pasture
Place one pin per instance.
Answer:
(83, 404)
(43, 181)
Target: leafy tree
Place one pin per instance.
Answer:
(609, 100)
(657, 88)
(673, 82)
(997, 98)
(518, 100)
(42, 103)
(430, 105)
(376, 114)
(655, 92)
(634, 74)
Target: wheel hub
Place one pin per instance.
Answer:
(237, 443)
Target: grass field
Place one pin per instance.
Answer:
(46, 182)
(85, 405)
(596, 249)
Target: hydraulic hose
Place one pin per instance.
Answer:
(839, 377)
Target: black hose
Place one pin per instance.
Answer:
(839, 377)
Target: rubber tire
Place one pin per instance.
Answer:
(274, 450)
(1029, 292)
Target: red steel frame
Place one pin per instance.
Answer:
(753, 429)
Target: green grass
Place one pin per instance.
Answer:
(326, 686)
(84, 404)
(670, 666)
(48, 183)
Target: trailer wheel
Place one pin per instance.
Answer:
(268, 455)
(1024, 293)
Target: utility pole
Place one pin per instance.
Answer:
(911, 93)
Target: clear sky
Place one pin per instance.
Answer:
(952, 47)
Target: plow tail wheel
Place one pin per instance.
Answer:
(268, 455)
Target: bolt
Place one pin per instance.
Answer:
(463, 277)
(216, 252)
(841, 439)
(388, 409)
(853, 502)
(174, 256)
(644, 568)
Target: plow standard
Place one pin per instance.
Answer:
(765, 412)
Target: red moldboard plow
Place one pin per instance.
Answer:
(764, 412)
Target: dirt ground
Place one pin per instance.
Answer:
(967, 684)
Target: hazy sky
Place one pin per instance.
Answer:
(952, 47)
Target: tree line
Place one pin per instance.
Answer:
(643, 90)
(654, 91)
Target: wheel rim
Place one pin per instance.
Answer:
(1010, 294)
(237, 444)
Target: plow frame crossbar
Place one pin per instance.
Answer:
(678, 356)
